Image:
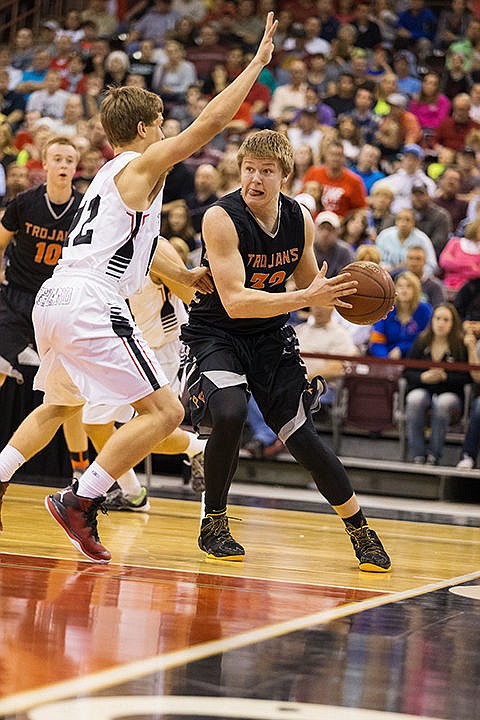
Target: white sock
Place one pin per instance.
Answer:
(195, 445)
(10, 460)
(94, 482)
(129, 483)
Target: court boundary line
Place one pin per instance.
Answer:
(21, 702)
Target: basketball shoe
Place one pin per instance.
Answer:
(369, 550)
(197, 472)
(3, 490)
(118, 500)
(216, 540)
(78, 517)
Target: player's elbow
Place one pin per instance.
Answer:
(233, 310)
(214, 120)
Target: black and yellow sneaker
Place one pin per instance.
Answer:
(369, 550)
(216, 540)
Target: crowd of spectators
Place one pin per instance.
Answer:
(380, 100)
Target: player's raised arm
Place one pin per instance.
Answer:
(162, 155)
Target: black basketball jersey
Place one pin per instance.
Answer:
(40, 229)
(269, 260)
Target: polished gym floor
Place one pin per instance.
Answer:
(296, 631)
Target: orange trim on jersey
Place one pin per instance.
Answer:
(377, 337)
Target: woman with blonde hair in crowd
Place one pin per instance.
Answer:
(393, 336)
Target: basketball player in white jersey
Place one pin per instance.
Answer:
(159, 311)
(90, 348)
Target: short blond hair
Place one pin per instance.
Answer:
(268, 144)
(368, 253)
(123, 108)
(59, 140)
(382, 190)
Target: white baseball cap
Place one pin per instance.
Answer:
(327, 216)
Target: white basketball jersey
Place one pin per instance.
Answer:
(108, 238)
(158, 313)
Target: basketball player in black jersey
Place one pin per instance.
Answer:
(238, 340)
(32, 232)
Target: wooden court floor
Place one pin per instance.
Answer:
(296, 631)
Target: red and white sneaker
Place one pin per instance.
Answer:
(78, 517)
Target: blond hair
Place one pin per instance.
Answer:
(268, 144)
(415, 284)
(59, 140)
(123, 108)
(368, 253)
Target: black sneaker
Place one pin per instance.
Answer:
(118, 500)
(369, 550)
(3, 490)
(216, 540)
(78, 517)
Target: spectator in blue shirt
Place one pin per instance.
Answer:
(394, 336)
(417, 22)
(404, 66)
(367, 166)
(417, 26)
(33, 78)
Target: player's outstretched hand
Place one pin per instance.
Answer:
(200, 279)
(328, 292)
(265, 49)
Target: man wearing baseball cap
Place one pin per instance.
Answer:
(410, 173)
(327, 244)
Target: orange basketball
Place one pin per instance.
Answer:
(375, 293)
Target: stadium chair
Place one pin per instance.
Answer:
(366, 401)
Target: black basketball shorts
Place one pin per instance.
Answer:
(267, 365)
(16, 326)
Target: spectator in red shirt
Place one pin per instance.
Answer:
(63, 52)
(342, 190)
(451, 133)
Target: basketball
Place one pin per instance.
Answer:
(375, 293)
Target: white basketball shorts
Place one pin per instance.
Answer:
(90, 348)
